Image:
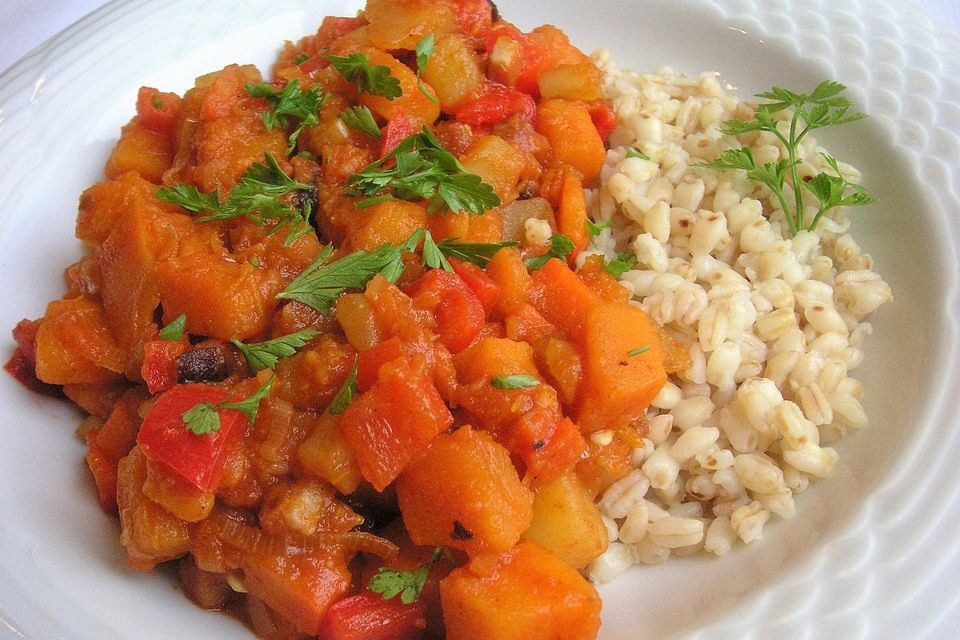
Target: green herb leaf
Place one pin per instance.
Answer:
(201, 419)
(300, 59)
(638, 351)
(289, 101)
(257, 197)
(423, 170)
(174, 331)
(407, 584)
(478, 253)
(823, 107)
(594, 228)
(560, 246)
(625, 261)
(432, 255)
(321, 284)
(250, 405)
(264, 355)
(373, 79)
(424, 49)
(361, 119)
(508, 383)
(346, 393)
(633, 153)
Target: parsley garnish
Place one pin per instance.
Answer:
(256, 197)
(157, 102)
(432, 255)
(478, 253)
(594, 228)
(423, 170)
(300, 59)
(174, 331)
(424, 50)
(289, 101)
(320, 284)
(625, 261)
(204, 417)
(638, 350)
(407, 584)
(508, 383)
(361, 119)
(824, 107)
(560, 246)
(633, 153)
(373, 79)
(264, 355)
(346, 393)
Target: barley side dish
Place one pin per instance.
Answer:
(774, 323)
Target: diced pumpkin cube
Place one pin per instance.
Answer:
(573, 136)
(572, 215)
(559, 359)
(567, 522)
(391, 424)
(617, 387)
(105, 202)
(490, 357)
(74, 344)
(561, 297)
(301, 586)
(150, 533)
(464, 493)
(140, 149)
(400, 24)
(527, 592)
(389, 222)
(506, 268)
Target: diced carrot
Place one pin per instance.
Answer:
(464, 493)
(572, 215)
(506, 268)
(391, 424)
(617, 387)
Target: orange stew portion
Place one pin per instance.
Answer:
(328, 374)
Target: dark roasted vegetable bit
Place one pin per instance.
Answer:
(207, 364)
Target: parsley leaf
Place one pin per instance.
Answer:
(250, 405)
(256, 197)
(174, 331)
(560, 246)
(638, 350)
(361, 119)
(346, 393)
(594, 228)
(264, 355)
(201, 419)
(823, 107)
(373, 79)
(289, 101)
(423, 170)
(625, 261)
(633, 153)
(508, 383)
(407, 584)
(321, 284)
(424, 49)
(300, 59)
(204, 417)
(478, 253)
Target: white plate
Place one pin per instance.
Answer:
(873, 552)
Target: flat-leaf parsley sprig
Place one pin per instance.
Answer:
(390, 583)
(265, 355)
(419, 168)
(824, 107)
(289, 102)
(369, 78)
(204, 417)
(257, 197)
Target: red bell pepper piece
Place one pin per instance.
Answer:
(494, 104)
(165, 439)
(477, 280)
(370, 360)
(458, 312)
(398, 129)
(604, 119)
(367, 616)
(474, 17)
(159, 368)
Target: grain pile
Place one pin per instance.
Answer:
(774, 324)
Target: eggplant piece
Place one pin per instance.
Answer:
(496, 12)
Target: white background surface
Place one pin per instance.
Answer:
(25, 24)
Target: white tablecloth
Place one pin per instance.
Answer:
(25, 24)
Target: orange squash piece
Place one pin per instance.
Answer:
(490, 357)
(464, 493)
(525, 593)
(74, 344)
(391, 424)
(617, 387)
(572, 135)
(140, 149)
(562, 297)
